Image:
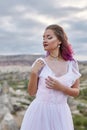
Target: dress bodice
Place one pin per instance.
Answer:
(51, 95)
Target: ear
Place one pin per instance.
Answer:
(59, 42)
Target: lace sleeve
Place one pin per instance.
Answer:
(75, 69)
(34, 63)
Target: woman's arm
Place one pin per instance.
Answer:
(32, 85)
(74, 90)
(33, 81)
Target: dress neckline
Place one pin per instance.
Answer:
(68, 68)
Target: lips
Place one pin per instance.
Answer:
(45, 45)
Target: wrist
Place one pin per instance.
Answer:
(63, 88)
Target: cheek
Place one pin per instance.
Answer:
(53, 43)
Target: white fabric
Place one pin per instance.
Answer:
(49, 110)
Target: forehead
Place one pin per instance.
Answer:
(48, 32)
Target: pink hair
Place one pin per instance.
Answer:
(67, 52)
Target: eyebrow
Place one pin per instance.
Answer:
(47, 35)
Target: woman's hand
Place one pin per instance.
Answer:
(37, 66)
(52, 83)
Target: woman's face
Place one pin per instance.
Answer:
(50, 41)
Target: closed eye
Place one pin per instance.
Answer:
(49, 37)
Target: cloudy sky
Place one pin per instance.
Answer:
(22, 23)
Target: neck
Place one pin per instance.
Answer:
(51, 55)
(54, 56)
(54, 53)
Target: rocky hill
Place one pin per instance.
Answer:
(17, 59)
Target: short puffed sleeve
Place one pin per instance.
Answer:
(75, 70)
(35, 63)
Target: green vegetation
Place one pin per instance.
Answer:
(80, 122)
(30, 98)
(17, 84)
(82, 109)
(83, 94)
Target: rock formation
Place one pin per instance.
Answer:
(7, 121)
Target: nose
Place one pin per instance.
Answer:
(44, 40)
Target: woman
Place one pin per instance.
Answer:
(52, 80)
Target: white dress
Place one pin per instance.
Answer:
(49, 110)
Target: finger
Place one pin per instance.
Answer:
(49, 87)
(41, 62)
(48, 82)
(50, 78)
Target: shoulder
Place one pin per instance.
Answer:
(74, 63)
(75, 69)
(40, 58)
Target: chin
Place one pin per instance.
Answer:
(46, 49)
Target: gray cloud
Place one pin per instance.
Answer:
(22, 23)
